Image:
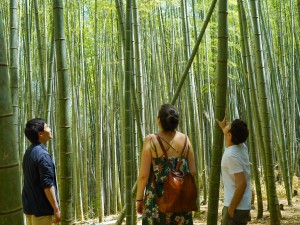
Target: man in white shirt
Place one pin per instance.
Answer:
(235, 173)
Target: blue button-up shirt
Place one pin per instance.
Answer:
(39, 173)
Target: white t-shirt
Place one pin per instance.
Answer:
(235, 160)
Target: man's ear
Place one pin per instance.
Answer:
(230, 135)
(158, 121)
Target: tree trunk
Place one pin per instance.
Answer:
(64, 115)
(10, 191)
(31, 113)
(14, 66)
(40, 52)
(128, 118)
(272, 196)
(248, 72)
(220, 106)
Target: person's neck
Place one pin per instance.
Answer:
(43, 142)
(229, 143)
(168, 132)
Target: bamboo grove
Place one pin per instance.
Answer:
(98, 71)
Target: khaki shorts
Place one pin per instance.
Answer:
(41, 220)
(241, 217)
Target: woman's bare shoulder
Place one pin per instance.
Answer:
(181, 135)
(149, 137)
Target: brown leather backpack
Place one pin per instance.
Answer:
(179, 188)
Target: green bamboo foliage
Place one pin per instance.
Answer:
(195, 49)
(272, 196)
(220, 105)
(164, 46)
(64, 115)
(10, 187)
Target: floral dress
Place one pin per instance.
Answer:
(151, 215)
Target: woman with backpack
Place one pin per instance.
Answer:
(164, 154)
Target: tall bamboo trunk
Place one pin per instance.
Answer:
(139, 76)
(199, 119)
(98, 125)
(254, 96)
(291, 140)
(29, 69)
(40, 52)
(195, 49)
(220, 106)
(248, 70)
(272, 196)
(14, 65)
(50, 82)
(64, 115)
(128, 118)
(191, 104)
(298, 11)
(10, 187)
(279, 124)
(85, 118)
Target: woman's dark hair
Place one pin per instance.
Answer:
(33, 127)
(239, 131)
(169, 117)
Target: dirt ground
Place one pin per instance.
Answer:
(290, 214)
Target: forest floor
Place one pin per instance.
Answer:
(290, 214)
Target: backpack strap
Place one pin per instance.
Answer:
(153, 146)
(182, 151)
(166, 155)
(164, 150)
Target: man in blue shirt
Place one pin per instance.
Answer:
(39, 194)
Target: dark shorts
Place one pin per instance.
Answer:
(241, 217)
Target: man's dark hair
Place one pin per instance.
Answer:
(169, 117)
(239, 131)
(33, 127)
